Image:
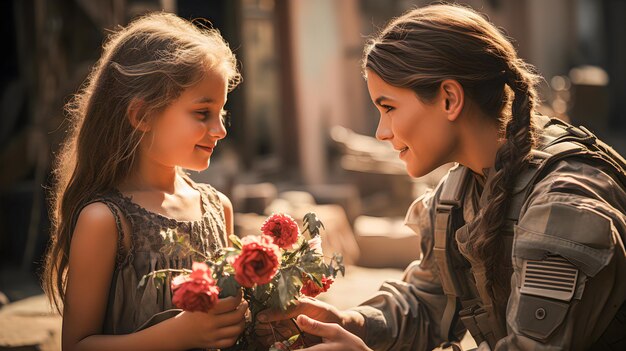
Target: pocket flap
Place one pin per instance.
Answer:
(538, 317)
(537, 246)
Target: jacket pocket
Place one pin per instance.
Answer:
(539, 317)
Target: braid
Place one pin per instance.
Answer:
(514, 155)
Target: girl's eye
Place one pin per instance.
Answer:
(204, 115)
(225, 116)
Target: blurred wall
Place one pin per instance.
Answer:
(300, 61)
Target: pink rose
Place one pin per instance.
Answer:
(279, 346)
(258, 261)
(196, 292)
(311, 289)
(282, 228)
(315, 244)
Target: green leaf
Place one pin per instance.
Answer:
(312, 224)
(273, 300)
(289, 284)
(292, 340)
(229, 269)
(336, 266)
(310, 258)
(331, 271)
(235, 240)
(160, 277)
(313, 266)
(301, 244)
(261, 291)
(228, 285)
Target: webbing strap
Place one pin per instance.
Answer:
(487, 321)
(467, 318)
(440, 252)
(446, 217)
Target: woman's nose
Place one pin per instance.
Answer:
(383, 131)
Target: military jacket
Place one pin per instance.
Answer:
(573, 221)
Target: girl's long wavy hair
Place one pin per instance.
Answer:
(425, 46)
(151, 60)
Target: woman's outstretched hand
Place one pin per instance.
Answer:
(334, 337)
(275, 324)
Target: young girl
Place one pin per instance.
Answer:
(523, 242)
(152, 106)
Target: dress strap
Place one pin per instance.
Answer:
(121, 253)
(213, 205)
(210, 198)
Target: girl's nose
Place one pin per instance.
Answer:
(218, 130)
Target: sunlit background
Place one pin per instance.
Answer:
(302, 122)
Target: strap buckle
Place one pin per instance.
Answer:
(467, 317)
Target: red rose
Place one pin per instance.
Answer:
(282, 228)
(258, 261)
(311, 289)
(197, 291)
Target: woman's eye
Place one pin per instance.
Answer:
(387, 108)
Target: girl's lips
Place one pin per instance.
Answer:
(204, 148)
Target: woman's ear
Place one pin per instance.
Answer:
(453, 97)
(136, 115)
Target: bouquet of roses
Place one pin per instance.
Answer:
(274, 269)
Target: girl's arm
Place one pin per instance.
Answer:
(91, 264)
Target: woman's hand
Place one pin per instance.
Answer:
(334, 337)
(218, 328)
(275, 324)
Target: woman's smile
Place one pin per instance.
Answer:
(403, 151)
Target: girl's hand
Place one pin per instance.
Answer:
(334, 337)
(218, 328)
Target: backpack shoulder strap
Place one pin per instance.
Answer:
(449, 217)
(564, 141)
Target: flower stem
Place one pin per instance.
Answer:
(299, 331)
(169, 270)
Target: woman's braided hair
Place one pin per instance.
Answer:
(425, 46)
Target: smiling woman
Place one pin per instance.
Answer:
(420, 130)
(523, 239)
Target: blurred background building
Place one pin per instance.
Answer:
(302, 121)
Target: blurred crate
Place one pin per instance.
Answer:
(385, 242)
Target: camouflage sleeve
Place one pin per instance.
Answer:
(405, 314)
(567, 254)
